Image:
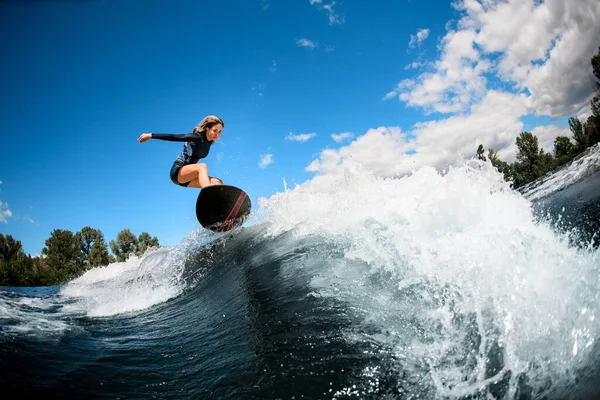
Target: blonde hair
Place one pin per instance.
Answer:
(208, 122)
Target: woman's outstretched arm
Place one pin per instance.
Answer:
(181, 137)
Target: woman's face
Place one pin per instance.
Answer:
(214, 132)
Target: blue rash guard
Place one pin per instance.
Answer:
(196, 146)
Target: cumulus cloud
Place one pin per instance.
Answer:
(416, 40)
(265, 160)
(388, 151)
(458, 79)
(302, 137)
(531, 46)
(503, 60)
(5, 213)
(547, 134)
(306, 43)
(340, 137)
(378, 150)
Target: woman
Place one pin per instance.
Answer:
(185, 172)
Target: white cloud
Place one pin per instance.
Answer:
(306, 43)
(5, 213)
(414, 65)
(302, 137)
(388, 151)
(265, 5)
(265, 160)
(547, 134)
(530, 45)
(29, 220)
(416, 40)
(273, 66)
(503, 60)
(329, 48)
(334, 17)
(378, 150)
(340, 137)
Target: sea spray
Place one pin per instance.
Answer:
(138, 283)
(472, 290)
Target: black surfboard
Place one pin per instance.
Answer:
(222, 208)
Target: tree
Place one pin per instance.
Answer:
(125, 244)
(13, 262)
(591, 128)
(145, 242)
(94, 249)
(502, 166)
(562, 146)
(578, 135)
(87, 236)
(481, 153)
(529, 151)
(9, 247)
(63, 252)
(99, 252)
(596, 68)
(532, 162)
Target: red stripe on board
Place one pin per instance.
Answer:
(233, 213)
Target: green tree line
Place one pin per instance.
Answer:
(532, 162)
(66, 255)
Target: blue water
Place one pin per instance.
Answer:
(430, 286)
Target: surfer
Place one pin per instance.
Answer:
(185, 170)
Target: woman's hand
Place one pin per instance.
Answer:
(144, 137)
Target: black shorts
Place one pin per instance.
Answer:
(175, 170)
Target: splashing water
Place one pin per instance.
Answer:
(434, 285)
(458, 262)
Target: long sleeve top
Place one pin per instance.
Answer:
(196, 145)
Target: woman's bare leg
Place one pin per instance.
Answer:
(195, 174)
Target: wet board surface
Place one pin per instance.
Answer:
(222, 208)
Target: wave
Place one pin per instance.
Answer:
(432, 285)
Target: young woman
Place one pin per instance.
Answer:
(185, 170)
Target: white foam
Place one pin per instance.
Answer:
(136, 284)
(466, 230)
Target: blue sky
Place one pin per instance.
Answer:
(424, 81)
